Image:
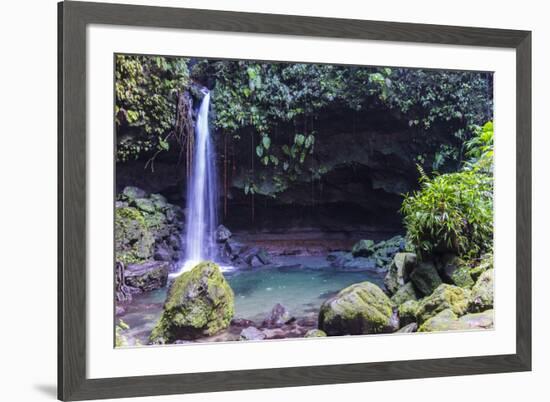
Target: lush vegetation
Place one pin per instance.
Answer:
(453, 212)
(146, 91)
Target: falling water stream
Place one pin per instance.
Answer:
(201, 194)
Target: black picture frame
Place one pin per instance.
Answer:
(73, 17)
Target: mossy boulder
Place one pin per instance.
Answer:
(362, 308)
(449, 321)
(445, 320)
(400, 269)
(405, 293)
(457, 272)
(483, 292)
(409, 328)
(485, 264)
(131, 193)
(425, 278)
(363, 248)
(315, 333)
(159, 201)
(407, 312)
(133, 239)
(484, 320)
(199, 303)
(444, 297)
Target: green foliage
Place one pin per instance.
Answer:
(146, 90)
(480, 149)
(454, 211)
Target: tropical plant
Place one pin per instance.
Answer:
(451, 212)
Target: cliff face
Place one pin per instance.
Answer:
(367, 163)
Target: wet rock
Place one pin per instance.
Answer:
(315, 333)
(242, 322)
(133, 239)
(252, 334)
(444, 297)
(163, 253)
(144, 204)
(159, 201)
(132, 193)
(147, 276)
(199, 303)
(119, 310)
(409, 328)
(363, 248)
(425, 278)
(278, 317)
(399, 272)
(362, 308)
(404, 293)
(483, 292)
(222, 234)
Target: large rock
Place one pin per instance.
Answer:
(484, 320)
(363, 248)
(147, 276)
(445, 320)
(449, 321)
(252, 334)
(405, 293)
(131, 193)
(483, 292)
(407, 312)
(133, 239)
(400, 270)
(362, 308)
(425, 278)
(456, 272)
(409, 328)
(199, 303)
(222, 234)
(145, 204)
(444, 297)
(278, 317)
(315, 333)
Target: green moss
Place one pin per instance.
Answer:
(133, 239)
(444, 297)
(199, 303)
(445, 320)
(315, 333)
(361, 308)
(407, 312)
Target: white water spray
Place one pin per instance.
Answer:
(201, 195)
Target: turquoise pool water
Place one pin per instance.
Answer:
(301, 284)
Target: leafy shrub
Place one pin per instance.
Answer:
(451, 213)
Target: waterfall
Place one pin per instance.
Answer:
(201, 195)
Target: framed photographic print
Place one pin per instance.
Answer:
(254, 201)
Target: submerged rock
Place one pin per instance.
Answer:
(252, 334)
(362, 308)
(425, 278)
(278, 317)
(483, 292)
(147, 276)
(199, 303)
(399, 271)
(444, 297)
(315, 333)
